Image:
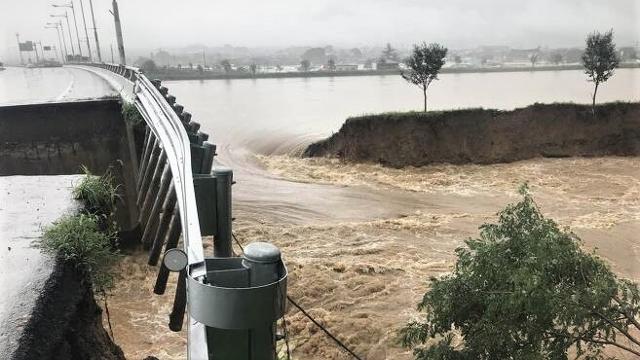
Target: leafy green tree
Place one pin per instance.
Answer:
(599, 60)
(226, 65)
(425, 63)
(305, 65)
(526, 290)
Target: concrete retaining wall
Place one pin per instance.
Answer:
(58, 138)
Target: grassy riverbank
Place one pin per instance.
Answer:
(192, 74)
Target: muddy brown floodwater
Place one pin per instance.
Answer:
(362, 275)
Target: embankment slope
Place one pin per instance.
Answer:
(486, 136)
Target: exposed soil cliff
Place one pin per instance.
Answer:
(66, 322)
(486, 136)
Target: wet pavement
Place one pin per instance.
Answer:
(28, 85)
(27, 205)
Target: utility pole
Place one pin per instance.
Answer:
(86, 33)
(19, 50)
(204, 60)
(112, 61)
(95, 31)
(116, 20)
(35, 49)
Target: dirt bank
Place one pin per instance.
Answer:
(485, 136)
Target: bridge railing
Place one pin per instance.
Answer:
(173, 150)
(234, 303)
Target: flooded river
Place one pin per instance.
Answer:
(361, 240)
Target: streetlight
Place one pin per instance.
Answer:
(75, 23)
(55, 26)
(86, 33)
(68, 29)
(95, 31)
(60, 28)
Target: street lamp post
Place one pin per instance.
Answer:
(68, 29)
(55, 26)
(75, 22)
(86, 33)
(95, 31)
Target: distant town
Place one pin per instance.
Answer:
(232, 60)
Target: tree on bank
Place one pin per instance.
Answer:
(253, 68)
(331, 65)
(533, 59)
(305, 65)
(556, 58)
(148, 66)
(599, 60)
(424, 65)
(389, 53)
(226, 65)
(526, 290)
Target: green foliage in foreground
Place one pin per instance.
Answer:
(526, 290)
(77, 239)
(98, 194)
(131, 114)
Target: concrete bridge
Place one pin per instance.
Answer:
(173, 196)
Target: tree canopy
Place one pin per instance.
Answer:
(424, 65)
(599, 59)
(526, 290)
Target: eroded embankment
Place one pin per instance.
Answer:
(486, 136)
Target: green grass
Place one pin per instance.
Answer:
(78, 240)
(131, 114)
(98, 194)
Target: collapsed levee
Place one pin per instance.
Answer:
(66, 322)
(483, 136)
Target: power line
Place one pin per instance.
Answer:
(303, 311)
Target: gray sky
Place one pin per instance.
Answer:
(151, 24)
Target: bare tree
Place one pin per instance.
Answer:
(425, 63)
(253, 68)
(556, 58)
(533, 58)
(599, 60)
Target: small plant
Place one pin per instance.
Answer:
(78, 240)
(98, 194)
(131, 114)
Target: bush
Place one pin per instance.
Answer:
(526, 290)
(77, 239)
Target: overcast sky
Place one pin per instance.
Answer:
(152, 24)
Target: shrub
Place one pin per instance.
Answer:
(526, 290)
(98, 195)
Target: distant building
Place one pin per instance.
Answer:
(385, 64)
(346, 67)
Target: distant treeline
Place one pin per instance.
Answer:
(189, 74)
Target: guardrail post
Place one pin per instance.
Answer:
(222, 246)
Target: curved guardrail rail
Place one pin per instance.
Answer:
(167, 139)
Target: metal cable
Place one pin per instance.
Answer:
(305, 313)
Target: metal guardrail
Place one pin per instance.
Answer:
(234, 302)
(167, 134)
